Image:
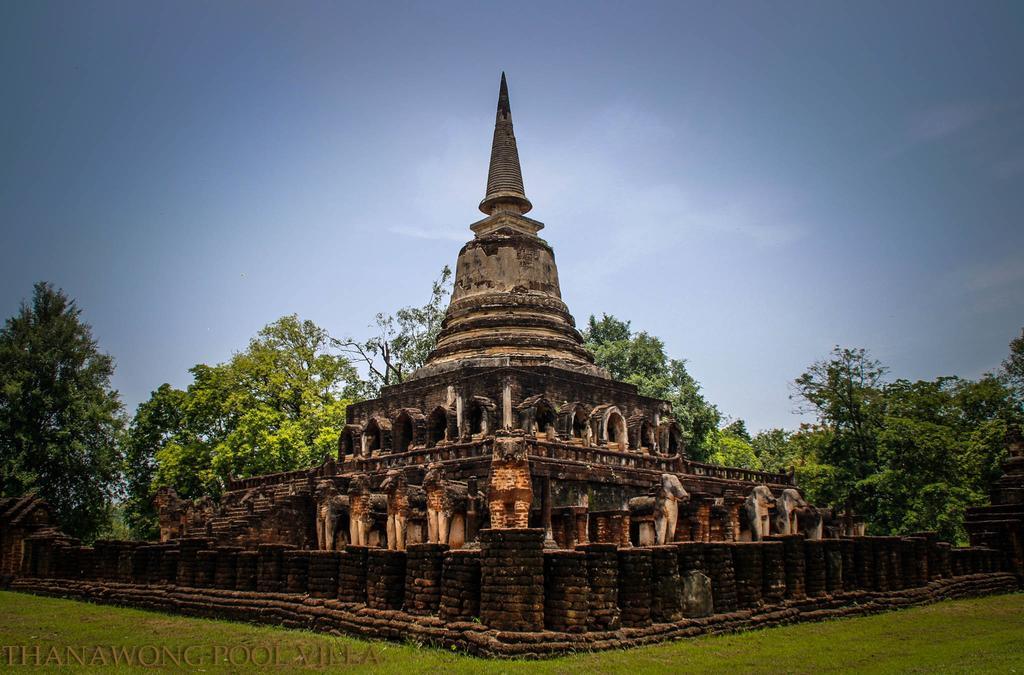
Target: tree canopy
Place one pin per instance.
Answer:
(60, 420)
(906, 455)
(279, 405)
(640, 359)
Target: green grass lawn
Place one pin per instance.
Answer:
(981, 635)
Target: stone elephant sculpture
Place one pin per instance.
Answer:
(331, 508)
(666, 507)
(757, 511)
(399, 507)
(360, 510)
(783, 518)
(809, 521)
(447, 501)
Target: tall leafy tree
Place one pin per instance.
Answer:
(279, 405)
(774, 449)
(157, 423)
(60, 420)
(844, 392)
(906, 455)
(640, 359)
(729, 448)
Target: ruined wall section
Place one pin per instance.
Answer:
(513, 597)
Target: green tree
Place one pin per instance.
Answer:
(640, 359)
(774, 450)
(906, 455)
(731, 449)
(60, 420)
(403, 340)
(1013, 366)
(156, 423)
(845, 393)
(277, 406)
(738, 428)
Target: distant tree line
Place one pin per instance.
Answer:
(906, 455)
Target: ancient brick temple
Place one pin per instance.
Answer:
(508, 424)
(511, 499)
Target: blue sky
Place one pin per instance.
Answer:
(752, 182)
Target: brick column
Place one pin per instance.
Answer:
(814, 555)
(226, 567)
(106, 559)
(748, 564)
(931, 544)
(187, 549)
(703, 516)
(864, 563)
(141, 564)
(86, 562)
(603, 580)
(270, 572)
(718, 556)
(944, 558)
(849, 564)
(423, 570)
(895, 548)
(206, 563)
(323, 574)
(833, 565)
(795, 564)
(385, 578)
(512, 579)
(296, 572)
(666, 585)
(352, 574)
(880, 577)
(774, 565)
(169, 568)
(915, 561)
(566, 591)
(635, 587)
(460, 586)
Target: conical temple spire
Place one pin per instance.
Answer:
(504, 178)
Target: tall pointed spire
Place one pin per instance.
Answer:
(504, 178)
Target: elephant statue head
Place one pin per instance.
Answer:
(393, 481)
(672, 489)
(757, 509)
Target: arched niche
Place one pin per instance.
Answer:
(670, 438)
(642, 437)
(611, 426)
(574, 421)
(538, 416)
(402, 432)
(545, 418)
(437, 426)
(478, 416)
(376, 437)
(349, 441)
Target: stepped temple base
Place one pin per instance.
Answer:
(335, 617)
